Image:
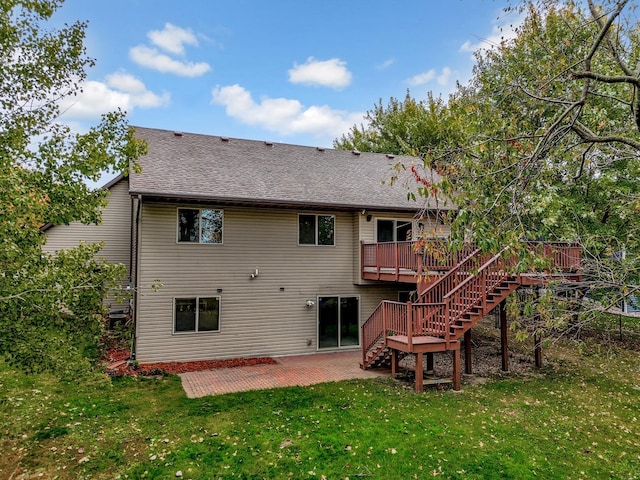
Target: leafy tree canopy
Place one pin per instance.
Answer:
(543, 143)
(408, 127)
(50, 306)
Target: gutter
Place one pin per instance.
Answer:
(272, 203)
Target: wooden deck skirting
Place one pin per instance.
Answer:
(460, 291)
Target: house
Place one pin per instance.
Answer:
(239, 248)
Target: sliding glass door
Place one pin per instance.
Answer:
(338, 322)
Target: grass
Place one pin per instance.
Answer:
(578, 418)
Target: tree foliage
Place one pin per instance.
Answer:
(408, 127)
(552, 152)
(546, 143)
(50, 306)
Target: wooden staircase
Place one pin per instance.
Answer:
(446, 309)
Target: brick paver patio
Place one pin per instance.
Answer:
(299, 370)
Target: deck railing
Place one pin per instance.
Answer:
(422, 257)
(565, 257)
(392, 256)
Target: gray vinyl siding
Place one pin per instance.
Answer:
(114, 230)
(266, 315)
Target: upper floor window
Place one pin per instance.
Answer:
(199, 225)
(316, 229)
(393, 230)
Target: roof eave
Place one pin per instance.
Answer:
(258, 202)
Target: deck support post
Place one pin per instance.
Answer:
(468, 367)
(537, 350)
(419, 372)
(504, 347)
(430, 362)
(537, 340)
(456, 369)
(394, 362)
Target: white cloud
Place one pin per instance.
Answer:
(125, 82)
(120, 90)
(139, 96)
(152, 58)
(172, 39)
(282, 115)
(326, 73)
(443, 78)
(504, 29)
(386, 64)
(422, 78)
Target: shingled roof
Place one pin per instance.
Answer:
(187, 166)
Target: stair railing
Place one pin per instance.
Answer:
(434, 292)
(430, 315)
(388, 318)
(372, 330)
(473, 291)
(428, 319)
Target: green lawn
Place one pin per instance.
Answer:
(568, 421)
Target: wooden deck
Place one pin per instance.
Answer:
(405, 262)
(458, 291)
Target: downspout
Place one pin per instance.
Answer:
(131, 230)
(135, 240)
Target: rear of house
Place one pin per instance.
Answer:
(262, 289)
(243, 248)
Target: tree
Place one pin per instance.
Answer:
(547, 145)
(50, 306)
(552, 151)
(408, 127)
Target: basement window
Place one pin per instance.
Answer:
(197, 314)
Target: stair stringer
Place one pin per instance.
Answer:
(464, 322)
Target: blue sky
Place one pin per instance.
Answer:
(290, 71)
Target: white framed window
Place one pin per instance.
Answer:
(196, 314)
(316, 229)
(393, 230)
(199, 225)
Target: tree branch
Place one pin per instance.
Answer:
(584, 158)
(607, 78)
(612, 47)
(588, 136)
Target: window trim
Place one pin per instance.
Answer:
(221, 242)
(197, 299)
(317, 229)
